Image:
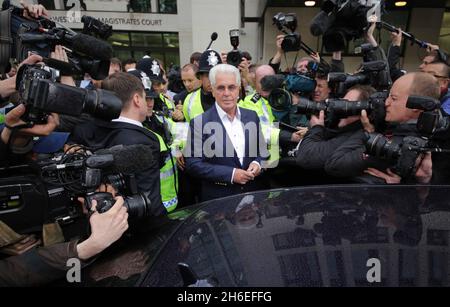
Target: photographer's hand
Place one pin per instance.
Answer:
(424, 166)
(390, 177)
(8, 86)
(279, 54)
(12, 119)
(318, 121)
(369, 34)
(61, 55)
(316, 57)
(106, 229)
(34, 10)
(366, 122)
(243, 68)
(397, 38)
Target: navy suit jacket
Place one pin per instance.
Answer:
(206, 153)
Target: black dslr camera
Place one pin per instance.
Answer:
(235, 56)
(41, 95)
(403, 154)
(287, 23)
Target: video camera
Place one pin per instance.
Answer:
(41, 95)
(86, 54)
(235, 56)
(374, 73)
(282, 87)
(341, 21)
(33, 195)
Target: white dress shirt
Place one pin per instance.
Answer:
(235, 131)
(127, 120)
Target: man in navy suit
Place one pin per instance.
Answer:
(225, 145)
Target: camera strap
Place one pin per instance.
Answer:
(5, 39)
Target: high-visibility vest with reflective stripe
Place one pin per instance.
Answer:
(192, 106)
(169, 103)
(178, 130)
(271, 134)
(168, 177)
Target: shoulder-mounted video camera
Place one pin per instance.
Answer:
(86, 54)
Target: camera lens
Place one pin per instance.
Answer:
(102, 104)
(379, 146)
(308, 107)
(280, 100)
(344, 108)
(137, 206)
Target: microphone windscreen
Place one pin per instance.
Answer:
(131, 159)
(320, 24)
(214, 36)
(92, 46)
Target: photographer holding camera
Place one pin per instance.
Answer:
(321, 142)
(350, 159)
(41, 266)
(127, 130)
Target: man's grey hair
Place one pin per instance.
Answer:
(224, 69)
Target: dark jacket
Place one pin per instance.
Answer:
(100, 134)
(320, 143)
(393, 57)
(216, 171)
(39, 266)
(350, 158)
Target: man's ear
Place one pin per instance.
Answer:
(136, 99)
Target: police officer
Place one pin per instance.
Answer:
(160, 126)
(258, 102)
(156, 74)
(202, 99)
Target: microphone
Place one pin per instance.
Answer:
(320, 23)
(125, 159)
(91, 46)
(214, 36)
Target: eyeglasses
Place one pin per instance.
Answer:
(231, 88)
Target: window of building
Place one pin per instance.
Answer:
(167, 6)
(162, 46)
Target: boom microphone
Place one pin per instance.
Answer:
(214, 36)
(126, 159)
(91, 46)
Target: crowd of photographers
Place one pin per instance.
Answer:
(99, 128)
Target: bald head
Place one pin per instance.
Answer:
(418, 83)
(261, 72)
